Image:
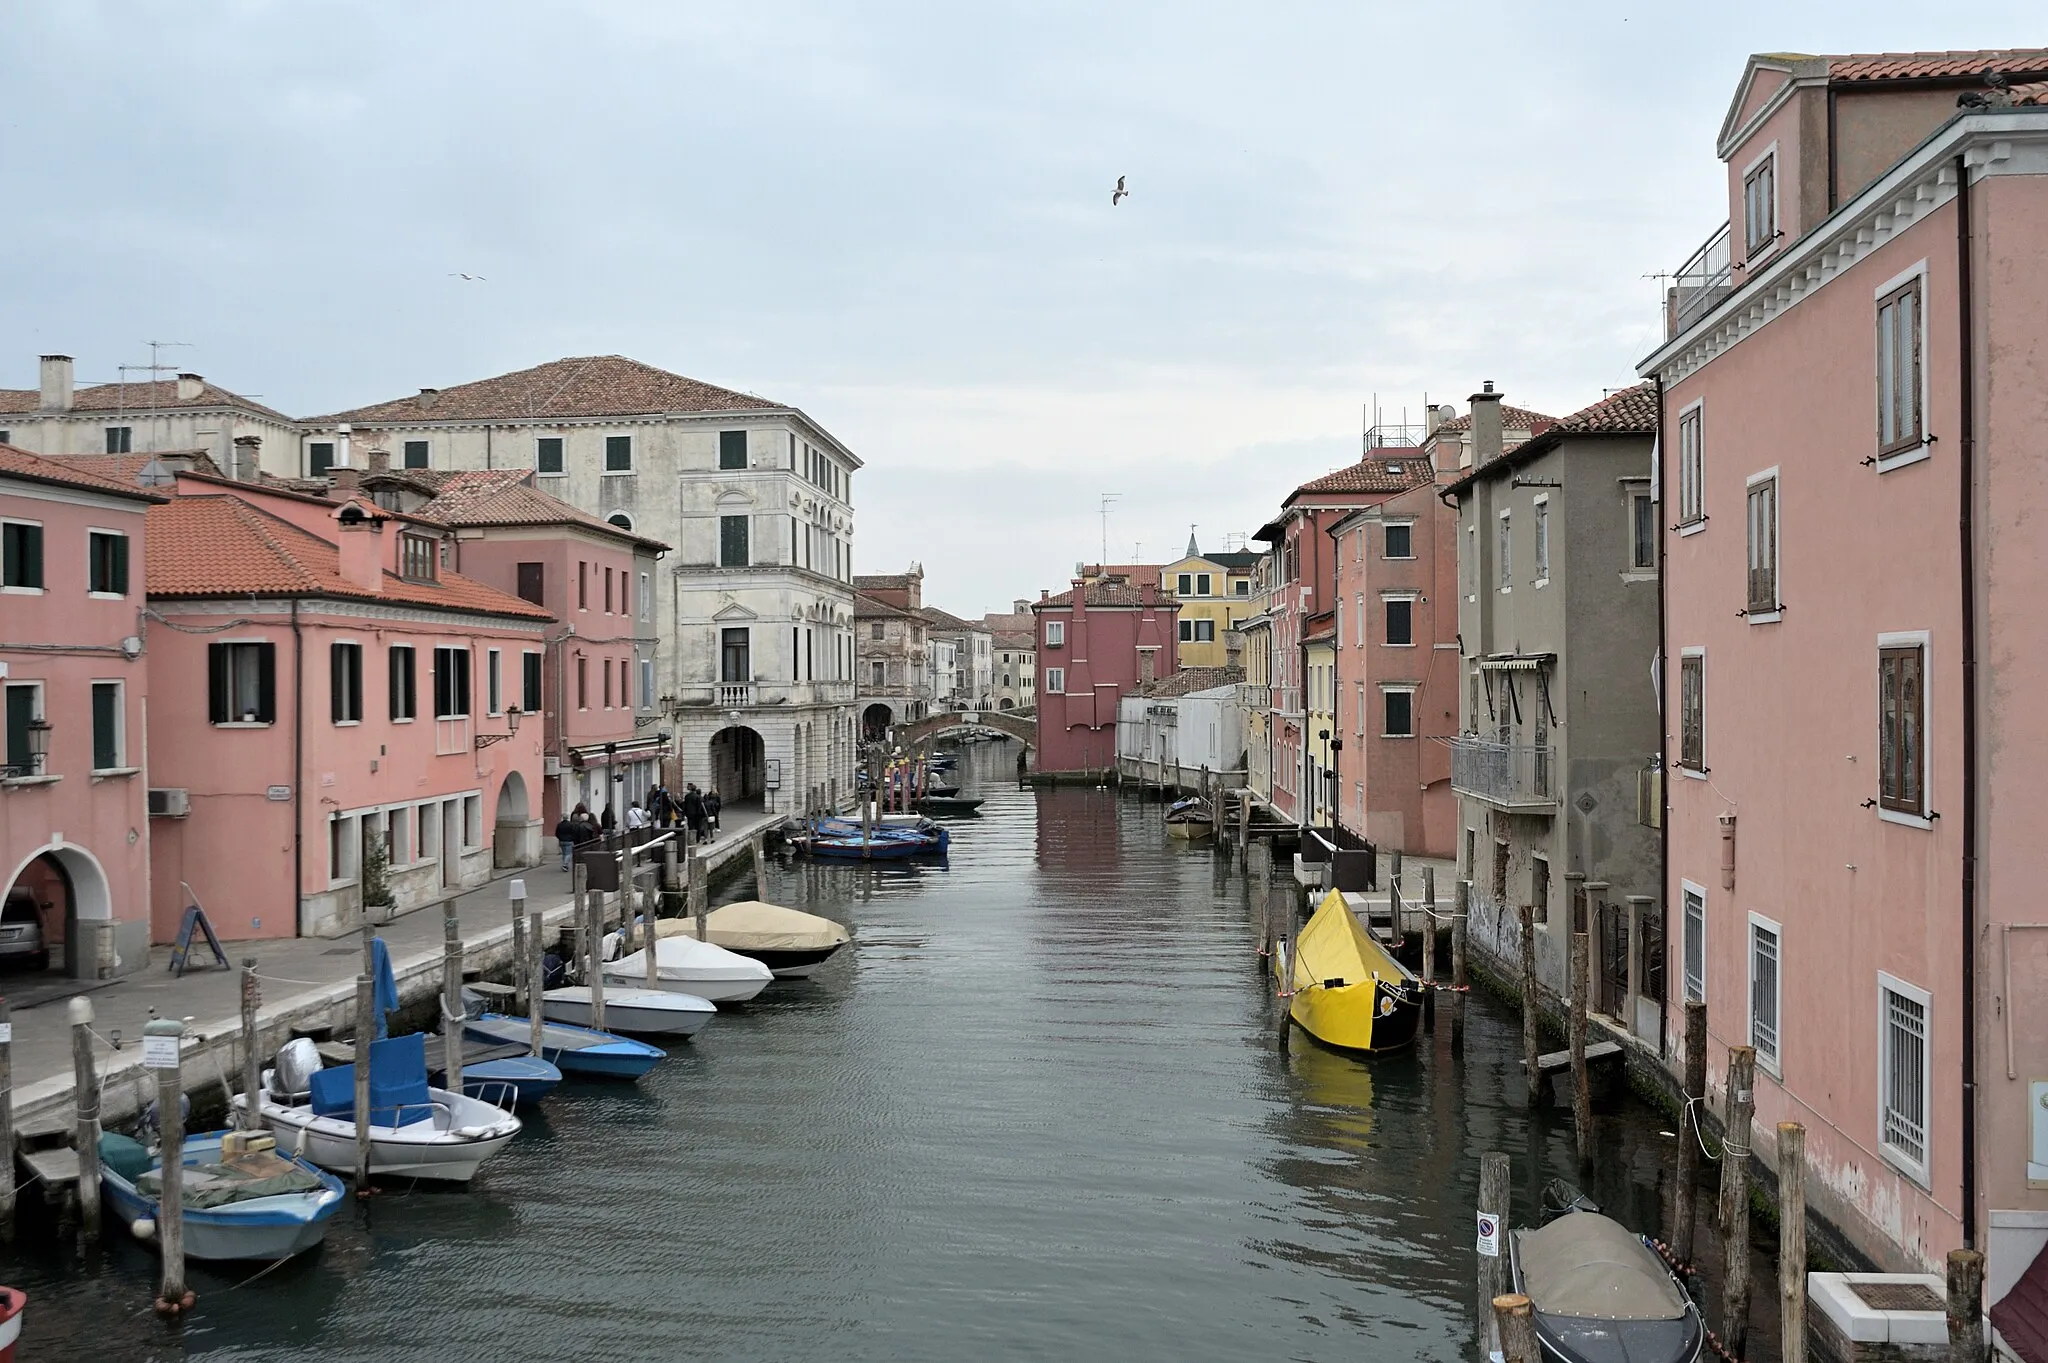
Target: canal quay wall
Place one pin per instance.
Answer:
(308, 987)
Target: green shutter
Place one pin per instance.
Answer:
(21, 712)
(23, 553)
(120, 583)
(732, 449)
(217, 683)
(106, 726)
(266, 683)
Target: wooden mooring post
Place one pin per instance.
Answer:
(1582, 1087)
(757, 848)
(451, 1001)
(536, 973)
(252, 1058)
(1517, 1317)
(1792, 1242)
(1279, 913)
(592, 902)
(86, 1105)
(1741, 1097)
(1532, 1030)
(1429, 948)
(1685, 1200)
(366, 1028)
(1461, 906)
(1965, 1306)
(1492, 1245)
(162, 1040)
(521, 990)
(7, 1120)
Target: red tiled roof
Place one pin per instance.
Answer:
(136, 399)
(884, 582)
(1191, 679)
(1106, 594)
(493, 497)
(1511, 419)
(1631, 411)
(1928, 65)
(2021, 1315)
(1376, 474)
(206, 544)
(2034, 93)
(34, 468)
(580, 386)
(1016, 639)
(946, 620)
(126, 468)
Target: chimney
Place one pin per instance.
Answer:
(1146, 665)
(380, 461)
(190, 386)
(345, 483)
(361, 546)
(1045, 593)
(426, 398)
(1148, 592)
(56, 394)
(248, 458)
(1486, 438)
(342, 433)
(1080, 596)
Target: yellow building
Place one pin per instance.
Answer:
(1319, 701)
(1215, 592)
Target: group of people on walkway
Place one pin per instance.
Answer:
(697, 810)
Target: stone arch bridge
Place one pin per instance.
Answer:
(1008, 723)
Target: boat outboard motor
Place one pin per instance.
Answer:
(291, 1080)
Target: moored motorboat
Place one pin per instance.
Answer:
(843, 838)
(1344, 988)
(637, 1012)
(253, 1204)
(790, 942)
(13, 1301)
(942, 805)
(582, 1051)
(1602, 1295)
(416, 1131)
(1190, 820)
(505, 1074)
(684, 965)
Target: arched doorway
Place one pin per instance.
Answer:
(1006, 704)
(515, 839)
(874, 723)
(48, 898)
(739, 766)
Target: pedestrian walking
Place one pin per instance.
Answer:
(607, 822)
(636, 817)
(693, 811)
(565, 834)
(712, 804)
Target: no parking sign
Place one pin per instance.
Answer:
(1489, 1234)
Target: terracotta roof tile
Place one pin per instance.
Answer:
(1016, 639)
(947, 621)
(136, 399)
(204, 545)
(866, 607)
(1511, 419)
(1191, 679)
(2032, 93)
(480, 497)
(2021, 1316)
(1376, 474)
(880, 582)
(1107, 594)
(1925, 65)
(1632, 411)
(580, 386)
(67, 472)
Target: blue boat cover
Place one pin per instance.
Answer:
(398, 1080)
(386, 986)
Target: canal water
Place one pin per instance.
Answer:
(1036, 1112)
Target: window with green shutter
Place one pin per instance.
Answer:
(106, 558)
(732, 541)
(530, 687)
(547, 454)
(106, 726)
(319, 458)
(21, 555)
(24, 707)
(416, 456)
(618, 454)
(732, 449)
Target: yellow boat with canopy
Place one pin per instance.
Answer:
(1344, 988)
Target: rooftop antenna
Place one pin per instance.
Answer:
(153, 368)
(1108, 498)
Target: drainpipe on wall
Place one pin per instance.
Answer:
(1664, 743)
(1966, 364)
(298, 766)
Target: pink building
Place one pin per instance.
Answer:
(74, 821)
(332, 694)
(1096, 642)
(592, 688)
(1855, 572)
(1396, 603)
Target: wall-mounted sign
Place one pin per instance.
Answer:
(278, 793)
(774, 780)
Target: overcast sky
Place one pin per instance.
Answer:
(898, 218)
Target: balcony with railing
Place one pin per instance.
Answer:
(1505, 775)
(751, 695)
(1700, 284)
(1254, 696)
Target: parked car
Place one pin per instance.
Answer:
(21, 931)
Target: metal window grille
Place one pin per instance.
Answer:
(1905, 1076)
(1763, 992)
(1695, 946)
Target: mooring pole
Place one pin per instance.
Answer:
(522, 989)
(86, 1103)
(1278, 912)
(593, 937)
(536, 972)
(1792, 1242)
(1461, 907)
(366, 1028)
(1582, 1088)
(451, 998)
(1965, 1306)
(162, 1039)
(1429, 947)
(757, 846)
(1735, 1199)
(7, 1120)
(1493, 1261)
(252, 1060)
(1532, 1033)
(1517, 1317)
(1686, 1200)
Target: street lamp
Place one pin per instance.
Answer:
(512, 713)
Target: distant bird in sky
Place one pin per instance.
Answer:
(1121, 193)
(473, 278)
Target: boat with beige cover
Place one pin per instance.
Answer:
(788, 941)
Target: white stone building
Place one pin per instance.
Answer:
(148, 416)
(754, 605)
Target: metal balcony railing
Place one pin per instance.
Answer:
(1505, 775)
(1700, 284)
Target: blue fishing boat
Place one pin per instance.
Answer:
(259, 1205)
(845, 838)
(583, 1051)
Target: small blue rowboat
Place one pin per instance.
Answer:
(504, 1074)
(570, 1049)
(268, 1205)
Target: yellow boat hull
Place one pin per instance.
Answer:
(1348, 990)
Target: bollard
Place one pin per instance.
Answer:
(1283, 965)
(1686, 1198)
(537, 973)
(699, 893)
(1582, 1089)
(451, 1002)
(366, 1030)
(86, 1093)
(162, 1039)
(592, 907)
(1965, 1306)
(1461, 907)
(523, 991)
(1741, 1094)
(1517, 1317)
(671, 876)
(7, 1119)
(1792, 1242)
(1493, 1260)
(760, 852)
(252, 1060)
(1532, 1032)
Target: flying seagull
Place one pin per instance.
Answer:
(1121, 193)
(473, 278)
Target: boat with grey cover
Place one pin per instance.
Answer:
(1602, 1295)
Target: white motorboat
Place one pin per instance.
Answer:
(684, 965)
(790, 942)
(636, 1012)
(415, 1131)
